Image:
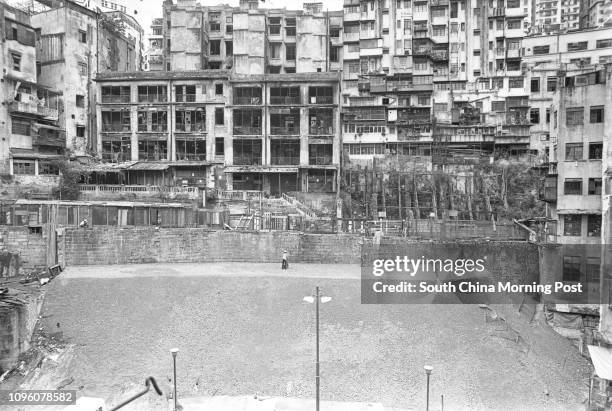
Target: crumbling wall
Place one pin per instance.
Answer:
(29, 244)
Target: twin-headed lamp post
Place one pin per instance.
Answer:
(315, 299)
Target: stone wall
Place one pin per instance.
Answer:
(133, 245)
(32, 245)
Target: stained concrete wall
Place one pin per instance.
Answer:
(103, 245)
(17, 322)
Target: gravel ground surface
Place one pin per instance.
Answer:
(242, 335)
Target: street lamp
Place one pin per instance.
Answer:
(315, 299)
(428, 370)
(174, 351)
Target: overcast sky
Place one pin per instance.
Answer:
(154, 7)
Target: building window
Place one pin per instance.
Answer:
(290, 27)
(515, 82)
(603, 43)
(596, 114)
(551, 84)
(593, 269)
(219, 146)
(572, 224)
(82, 36)
(573, 152)
(229, 48)
(594, 186)
(574, 116)
(537, 50)
(215, 47)
(191, 121)
(247, 152)
(219, 116)
(334, 53)
(152, 94)
(572, 186)
(152, 121)
(80, 131)
(21, 127)
(24, 167)
(83, 69)
(117, 121)
(535, 85)
(290, 51)
(275, 49)
(594, 225)
(80, 101)
(534, 115)
(47, 168)
(595, 151)
(580, 45)
(16, 61)
(571, 268)
(219, 89)
(274, 25)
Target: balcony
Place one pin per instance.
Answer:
(285, 160)
(152, 98)
(284, 131)
(247, 131)
(248, 101)
(351, 37)
(321, 100)
(32, 108)
(284, 100)
(320, 161)
(356, 16)
(439, 55)
(119, 98)
(110, 191)
(247, 161)
(115, 128)
(49, 141)
(185, 98)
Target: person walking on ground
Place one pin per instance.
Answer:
(285, 264)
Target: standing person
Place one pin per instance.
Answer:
(285, 264)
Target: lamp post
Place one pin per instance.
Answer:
(315, 299)
(428, 370)
(174, 351)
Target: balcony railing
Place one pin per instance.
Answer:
(115, 128)
(185, 98)
(247, 101)
(152, 98)
(106, 189)
(191, 157)
(122, 98)
(282, 100)
(142, 128)
(247, 161)
(320, 161)
(321, 99)
(285, 160)
(33, 108)
(321, 130)
(247, 131)
(49, 141)
(281, 131)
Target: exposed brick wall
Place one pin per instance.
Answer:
(103, 245)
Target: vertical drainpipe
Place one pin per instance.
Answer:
(171, 143)
(327, 47)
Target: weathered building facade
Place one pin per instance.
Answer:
(31, 135)
(273, 133)
(76, 44)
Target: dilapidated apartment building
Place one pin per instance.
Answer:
(423, 75)
(250, 40)
(275, 133)
(31, 134)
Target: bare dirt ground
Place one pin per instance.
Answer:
(244, 330)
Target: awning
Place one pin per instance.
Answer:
(149, 166)
(602, 361)
(259, 169)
